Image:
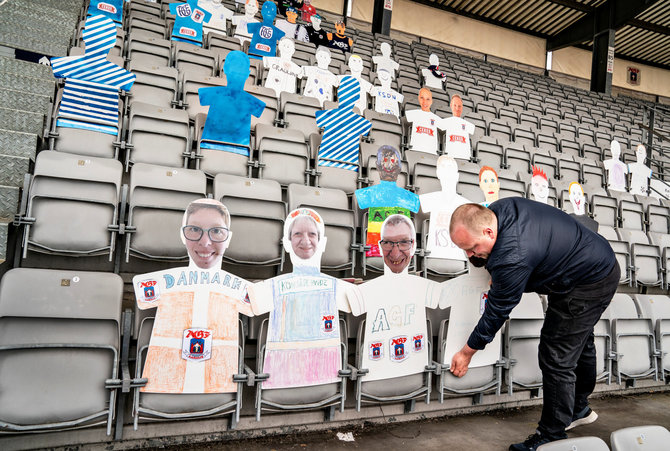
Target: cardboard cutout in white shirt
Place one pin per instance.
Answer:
(386, 99)
(283, 72)
(430, 79)
(616, 169)
(320, 80)
(640, 173)
(424, 127)
(220, 15)
(241, 21)
(384, 60)
(457, 137)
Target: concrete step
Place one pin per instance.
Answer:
(12, 170)
(22, 121)
(9, 202)
(4, 227)
(17, 82)
(26, 101)
(18, 144)
(25, 68)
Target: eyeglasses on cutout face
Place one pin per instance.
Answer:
(215, 234)
(403, 245)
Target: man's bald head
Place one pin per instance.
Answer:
(425, 98)
(473, 217)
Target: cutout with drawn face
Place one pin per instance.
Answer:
(251, 8)
(316, 21)
(340, 28)
(269, 12)
(456, 106)
(291, 15)
(205, 232)
(447, 173)
(286, 48)
(425, 99)
(304, 237)
(489, 183)
(640, 153)
(615, 148)
(540, 185)
(355, 64)
(384, 78)
(323, 57)
(388, 163)
(577, 198)
(397, 242)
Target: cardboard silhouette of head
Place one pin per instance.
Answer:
(577, 198)
(205, 232)
(385, 49)
(456, 105)
(316, 21)
(447, 173)
(384, 78)
(236, 68)
(433, 60)
(425, 99)
(489, 183)
(322, 57)
(269, 12)
(304, 237)
(640, 153)
(615, 148)
(540, 185)
(348, 92)
(355, 64)
(286, 48)
(388, 163)
(251, 8)
(340, 28)
(397, 243)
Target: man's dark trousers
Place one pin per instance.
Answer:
(567, 354)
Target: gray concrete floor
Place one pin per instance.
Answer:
(492, 431)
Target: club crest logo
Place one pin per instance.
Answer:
(184, 10)
(399, 351)
(432, 122)
(265, 32)
(417, 340)
(196, 345)
(462, 126)
(376, 350)
(148, 290)
(327, 322)
(198, 16)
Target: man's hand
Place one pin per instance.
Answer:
(461, 360)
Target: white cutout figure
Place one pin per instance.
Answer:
(440, 205)
(356, 71)
(432, 76)
(616, 169)
(289, 27)
(458, 131)
(395, 332)
(303, 340)
(639, 173)
(539, 186)
(283, 72)
(220, 15)
(241, 21)
(320, 81)
(423, 137)
(384, 60)
(193, 345)
(386, 99)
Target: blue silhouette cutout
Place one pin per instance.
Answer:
(188, 23)
(230, 109)
(265, 35)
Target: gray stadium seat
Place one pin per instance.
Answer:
(156, 85)
(282, 154)
(640, 438)
(657, 307)
(575, 444)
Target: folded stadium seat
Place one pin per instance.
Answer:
(438, 268)
(369, 166)
(552, 114)
(468, 184)
(475, 94)
(153, 9)
(298, 111)
(588, 121)
(575, 444)
(572, 117)
(508, 114)
(605, 209)
(593, 176)
(569, 170)
(60, 349)
(534, 107)
(547, 161)
(422, 167)
(148, 25)
(282, 154)
(547, 141)
(640, 438)
(71, 206)
(657, 307)
(631, 211)
(222, 45)
(523, 135)
(333, 177)
(500, 129)
(567, 131)
(517, 159)
(495, 98)
(604, 124)
(157, 199)
(148, 48)
(586, 134)
(85, 137)
(646, 262)
(521, 336)
(633, 342)
(489, 153)
(340, 221)
(386, 129)
(570, 148)
(192, 60)
(257, 222)
(156, 85)
(518, 103)
(510, 186)
(591, 152)
(212, 160)
(157, 135)
(190, 84)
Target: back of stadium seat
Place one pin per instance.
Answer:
(190, 59)
(190, 84)
(155, 85)
(282, 154)
(298, 112)
(72, 205)
(575, 444)
(148, 47)
(59, 344)
(640, 438)
(657, 308)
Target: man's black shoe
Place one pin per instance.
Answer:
(531, 443)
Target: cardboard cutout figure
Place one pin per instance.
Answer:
(307, 10)
(356, 69)
(616, 169)
(312, 32)
(424, 125)
(288, 25)
(188, 22)
(386, 99)
(193, 345)
(489, 184)
(342, 129)
(384, 61)
(303, 339)
(283, 72)
(578, 203)
(241, 21)
(264, 35)
(396, 336)
(228, 123)
(458, 131)
(339, 40)
(639, 173)
(432, 76)
(91, 94)
(385, 198)
(539, 186)
(440, 205)
(320, 81)
(218, 23)
(112, 9)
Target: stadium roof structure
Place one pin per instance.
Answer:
(642, 26)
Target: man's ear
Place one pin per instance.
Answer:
(489, 232)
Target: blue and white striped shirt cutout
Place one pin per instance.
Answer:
(342, 129)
